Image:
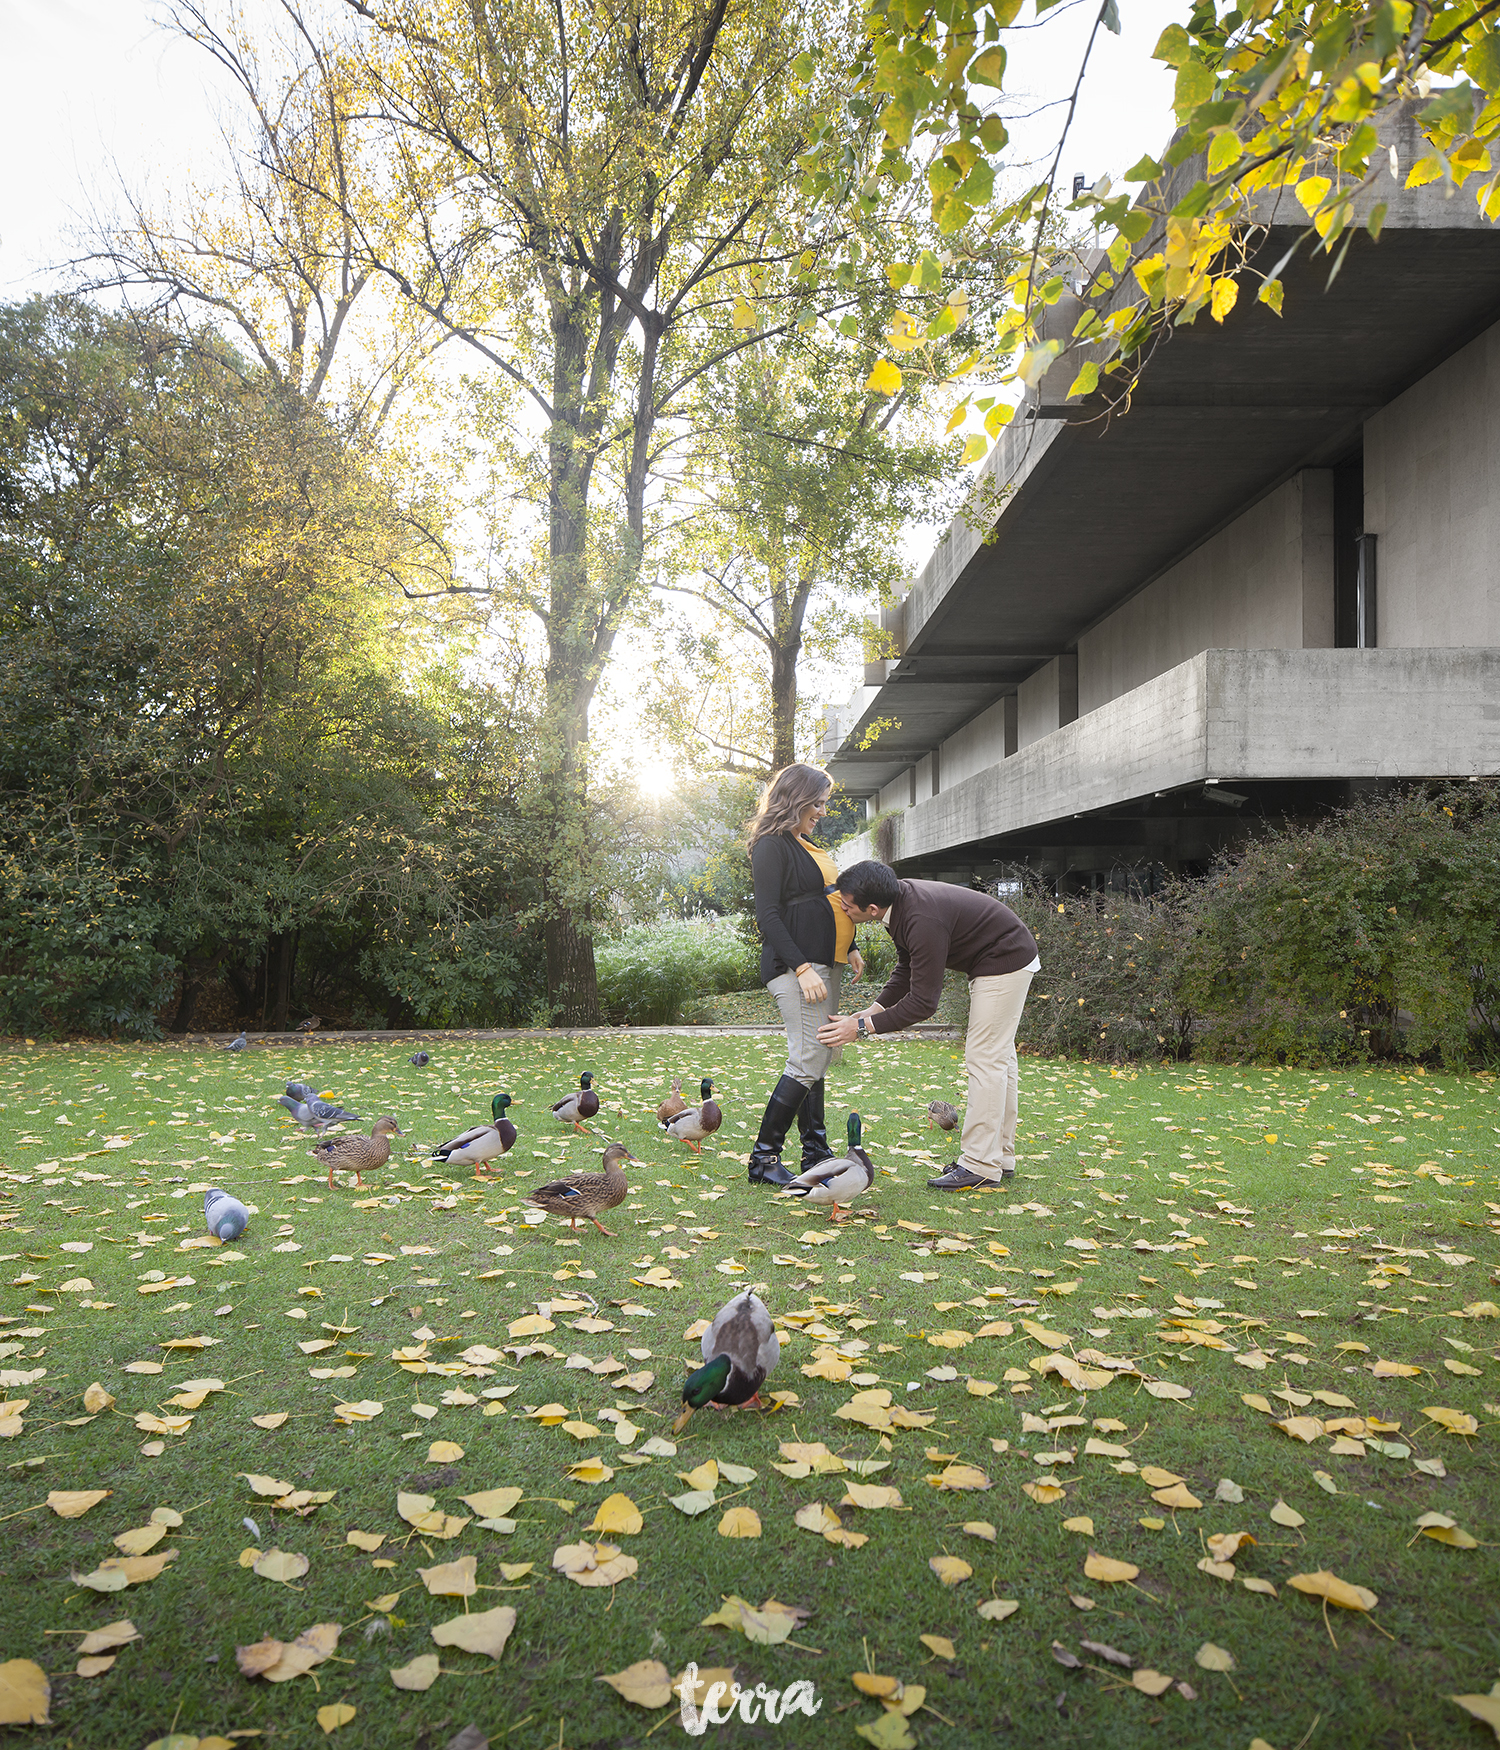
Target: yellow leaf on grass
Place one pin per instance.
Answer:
(142, 1538)
(421, 1673)
(594, 1564)
(939, 1644)
(619, 1514)
(485, 1632)
(94, 1666)
(815, 1516)
(492, 1503)
(1304, 1428)
(1213, 1658)
(1167, 1389)
(1154, 1477)
(1326, 1585)
(1393, 1370)
(1097, 1567)
(1044, 1493)
(1455, 1421)
(870, 1496)
(1178, 1497)
(740, 1522)
(532, 1325)
(1225, 1544)
(647, 1683)
(703, 1476)
(1482, 1707)
(280, 1565)
(980, 1528)
(951, 1570)
(25, 1694)
(120, 1571)
(273, 1419)
(335, 1714)
(1288, 1516)
(997, 1609)
(444, 1452)
(959, 1476)
(1082, 1524)
(831, 1367)
(1253, 1583)
(876, 1684)
(96, 1399)
(369, 1541)
(74, 1503)
(364, 1411)
(114, 1634)
(455, 1579)
(1150, 1682)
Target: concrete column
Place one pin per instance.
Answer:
(1012, 737)
(1315, 486)
(1047, 700)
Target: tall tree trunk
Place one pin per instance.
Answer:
(192, 984)
(572, 978)
(279, 980)
(784, 702)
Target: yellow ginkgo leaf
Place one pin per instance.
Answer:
(997, 1609)
(1455, 1421)
(280, 1565)
(368, 1541)
(1482, 1707)
(1225, 1544)
(980, 1528)
(1150, 1682)
(444, 1452)
(112, 1635)
(272, 1419)
(740, 1522)
(870, 1496)
(1213, 1658)
(647, 1683)
(485, 1632)
(1179, 1496)
(334, 1715)
(1326, 1585)
(951, 1570)
(421, 1673)
(815, 1516)
(95, 1399)
(587, 1470)
(25, 1694)
(703, 1476)
(1288, 1516)
(74, 1503)
(1097, 1567)
(142, 1538)
(492, 1503)
(1154, 1477)
(1044, 1493)
(1253, 1583)
(875, 1683)
(455, 1579)
(939, 1644)
(1082, 1524)
(959, 1476)
(619, 1514)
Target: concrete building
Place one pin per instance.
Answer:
(1272, 581)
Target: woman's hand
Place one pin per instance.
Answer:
(813, 988)
(856, 965)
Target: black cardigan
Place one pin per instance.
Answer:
(791, 909)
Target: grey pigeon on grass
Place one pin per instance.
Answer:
(321, 1113)
(420, 1059)
(224, 1215)
(237, 1044)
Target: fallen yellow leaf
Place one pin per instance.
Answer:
(335, 1714)
(25, 1694)
(951, 1570)
(740, 1522)
(1326, 1585)
(647, 1683)
(1097, 1567)
(485, 1632)
(617, 1513)
(939, 1644)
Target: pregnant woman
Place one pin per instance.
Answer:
(807, 940)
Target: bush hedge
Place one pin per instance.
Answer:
(653, 974)
(1374, 934)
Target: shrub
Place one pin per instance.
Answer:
(653, 974)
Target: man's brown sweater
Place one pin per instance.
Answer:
(936, 925)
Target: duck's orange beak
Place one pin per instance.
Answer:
(683, 1420)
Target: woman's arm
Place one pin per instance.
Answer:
(770, 863)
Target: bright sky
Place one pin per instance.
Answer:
(95, 90)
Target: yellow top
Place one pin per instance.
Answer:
(843, 924)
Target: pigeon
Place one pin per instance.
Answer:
(310, 1025)
(320, 1113)
(420, 1059)
(226, 1216)
(237, 1044)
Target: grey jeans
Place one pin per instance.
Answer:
(806, 1059)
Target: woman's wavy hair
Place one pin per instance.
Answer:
(788, 793)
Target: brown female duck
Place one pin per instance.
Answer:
(587, 1194)
(357, 1154)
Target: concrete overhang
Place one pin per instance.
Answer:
(1091, 511)
(1228, 715)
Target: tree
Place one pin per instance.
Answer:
(1268, 96)
(797, 491)
(588, 189)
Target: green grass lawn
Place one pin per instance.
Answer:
(1312, 1225)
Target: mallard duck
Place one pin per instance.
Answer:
(587, 1193)
(357, 1154)
(673, 1104)
(693, 1123)
(740, 1348)
(310, 1025)
(944, 1116)
(575, 1107)
(839, 1180)
(485, 1142)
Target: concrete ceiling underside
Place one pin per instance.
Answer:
(1222, 416)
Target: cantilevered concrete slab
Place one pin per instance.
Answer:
(1086, 513)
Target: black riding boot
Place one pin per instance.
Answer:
(813, 1127)
(765, 1158)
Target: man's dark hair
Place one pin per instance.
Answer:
(870, 883)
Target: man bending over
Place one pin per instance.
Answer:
(936, 925)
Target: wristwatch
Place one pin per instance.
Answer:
(862, 1025)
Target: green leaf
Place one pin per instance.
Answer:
(1145, 169)
(1195, 85)
(1109, 17)
(998, 417)
(1172, 46)
(802, 67)
(1270, 293)
(1226, 149)
(975, 449)
(1376, 221)
(988, 68)
(899, 274)
(1428, 169)
(1482, 63)
(1086, 381)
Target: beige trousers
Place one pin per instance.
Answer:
(995, 1005)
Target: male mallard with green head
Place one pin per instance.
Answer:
(839, 1180)
(694, 1123)
(582, 1103)
(484, 1143)
(586, 1194)
(357, 1154)
(740, 1348)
